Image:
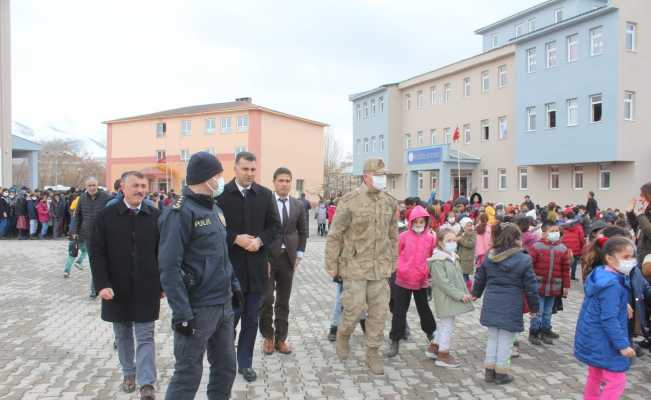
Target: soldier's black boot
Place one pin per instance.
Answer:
(362, 323)
(332, 336)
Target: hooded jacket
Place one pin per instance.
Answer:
(505, 277)
(602, 326)
(448, 286)
(413, 251)
(574, 237)
(551, 264)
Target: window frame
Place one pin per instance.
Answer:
(572, 41)
(226, 125)
(523, 172)
(447, 135)
(485, 81)
(419, 138)
(531, 24)
(485, 123)
(501, 174)
(432, 93)
(373, 144)
(185, 155)
(419, 100)
(466, 86)
(629, 101)
(596, 33)
(484, 179)
(551, 55)
(381, 144)
(633, 35)
(558, 15)
(518, 31)
(367, 146)
(407, 140)
(159, 153)
(605, 169)
(186, 127)
(466, 134)
(210, 130)
(241, 127)
(592, 109)
(569, 103)
(432, 136)
(161, 129)
(380, 101)
(502, 122)
(359, 111)
(407, 101)
(532, 112)
(554, 171)
(495, 41)
(447, 91)
(531, 60)
(551, 108)
(373, 109)
(578, 170)
(502, 76)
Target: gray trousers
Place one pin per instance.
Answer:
(144, 365)
(215, 333)
(498, 349)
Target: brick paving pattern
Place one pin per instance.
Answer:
(53, 345)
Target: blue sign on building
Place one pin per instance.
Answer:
(425, 156)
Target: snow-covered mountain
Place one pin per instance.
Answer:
(83, 144)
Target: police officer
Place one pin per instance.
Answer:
(361, 248)
(198, 279)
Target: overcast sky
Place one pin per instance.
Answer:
(87, 61)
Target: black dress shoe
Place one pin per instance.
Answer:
(248, 374)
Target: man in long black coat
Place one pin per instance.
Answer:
(252, 225)
(124, 262)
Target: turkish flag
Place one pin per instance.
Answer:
(456, 135)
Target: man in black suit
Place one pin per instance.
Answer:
(286, 255)
(252, 225)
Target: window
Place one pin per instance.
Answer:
(161, 127)
(447, 135)
(551, 55)
(373, 144)
(211, 125)
(501, 179)
(446, 95)
(531, 24)
(466, 87)
(572, 112)
(372, 106)
(531, 60)
(466, 133)
(358, 148)
(550, 111)
(531, 119)
(407, 102)
(381, 142)
(407, 140)
(604, 177)
(578, 178)
(433, 182)
(366, 145)
(185, 155)
(524, 178)
(359, 112)
(380, 102)
(631, 36)
(210, 150)
(432, 134)
(419, 100)
(502, 76)
(392, 182)
(484, 179)
(300, 185)
(629, 106)
(494, 41)
(160, 155)
(365, 110)
(518, 30)
(239, 149)
(554, 178)
(485, 130)
(226, 124)
(558, 15)
(572, 48)
(596, 108)
(432, 92)
(485, 81)
(186, 127)
(420, 181)
(596, 41)
(243, 123)
(503, 127)
(419, 138)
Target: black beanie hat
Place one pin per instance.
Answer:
(201, 167)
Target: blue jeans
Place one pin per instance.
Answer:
(144, 365)
(248, 329)
(336, 308)
(33, 227)
(4, 222)
(214, 327)
(44, 227)
(544, 319)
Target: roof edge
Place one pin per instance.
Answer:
(365, 93)
(516, 15)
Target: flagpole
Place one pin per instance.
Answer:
(459, 159)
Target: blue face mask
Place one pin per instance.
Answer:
(451, 247)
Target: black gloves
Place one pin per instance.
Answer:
(185, 328)
(238, 299)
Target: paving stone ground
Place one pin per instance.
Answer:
(53, 345)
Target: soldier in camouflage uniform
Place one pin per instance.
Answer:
(361, 248)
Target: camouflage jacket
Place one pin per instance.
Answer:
(363, 240)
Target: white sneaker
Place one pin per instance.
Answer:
(78, 266)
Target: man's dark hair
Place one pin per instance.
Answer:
(248, 156)
(646, 189)
(591, 193)
(282, 171)
(137, 174)
(411, 201)
(116, 184)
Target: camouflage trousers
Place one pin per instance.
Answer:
(361, 295)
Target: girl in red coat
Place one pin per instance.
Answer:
(551, 263)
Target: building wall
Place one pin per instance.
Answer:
(367, 128)
(585, 142)
(296, 145)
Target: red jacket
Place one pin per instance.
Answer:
(43, 212)
(574, 238)
(551, 264)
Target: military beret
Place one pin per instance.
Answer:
(373, 165)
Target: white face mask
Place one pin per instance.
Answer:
(451, 220)
(554, 236)
(379, 182)
(418, 228)
(451, 247)
(626, 266)
(220, 187)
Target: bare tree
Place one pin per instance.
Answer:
(333, 153)
(61, 164)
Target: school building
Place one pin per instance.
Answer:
(160, 144)
(549, 108)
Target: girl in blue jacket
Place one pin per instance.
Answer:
(602, 340)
